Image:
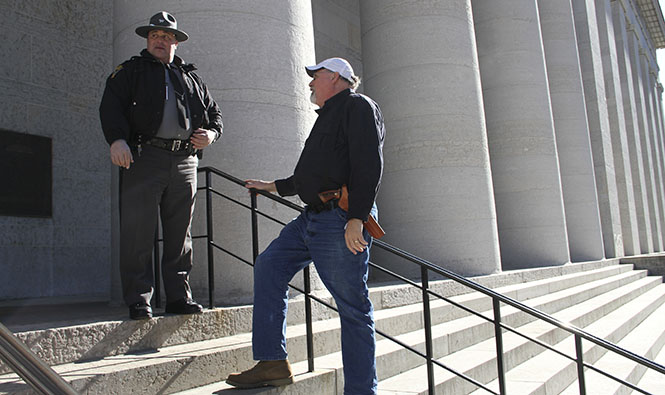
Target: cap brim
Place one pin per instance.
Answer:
(144, 30)
(313, 69)
(311, 72)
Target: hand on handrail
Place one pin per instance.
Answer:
(268, 186)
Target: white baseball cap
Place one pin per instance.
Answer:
(336, 65)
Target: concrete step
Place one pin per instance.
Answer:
(478, 360)
(61, 340)
(654, 382)
(549, 373)
(548, 295)
(467, 331)
(321, 381)
(646, 340)
(392, 360)
(178, 367)
(450, 335)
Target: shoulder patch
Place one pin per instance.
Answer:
(117, 69)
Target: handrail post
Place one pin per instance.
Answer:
(498, 336)
(211, 256)
(255, 227)
(427, 316)
(156, 267)
(580, 364)
(308, 320)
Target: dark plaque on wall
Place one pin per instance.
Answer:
(25, 175)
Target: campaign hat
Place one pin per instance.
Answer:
(162, 21)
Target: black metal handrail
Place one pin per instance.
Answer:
(41, 377)
(426, 268)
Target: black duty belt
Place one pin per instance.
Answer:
(173, 145)
(327, 206)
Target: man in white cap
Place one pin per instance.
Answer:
(344, 148)
(157, 114)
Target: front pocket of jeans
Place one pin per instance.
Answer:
(341, 214)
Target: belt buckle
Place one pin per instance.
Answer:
(175, 145)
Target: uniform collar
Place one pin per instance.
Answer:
(176, 60)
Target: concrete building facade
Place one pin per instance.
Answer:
(520, 133)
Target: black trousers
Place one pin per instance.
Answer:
(163, 182)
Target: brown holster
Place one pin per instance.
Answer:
(373, 228)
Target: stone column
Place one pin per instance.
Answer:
(617, 125)
(624, 33)
(656, 92)
(658, 105)
(586, 28)
(652, 135)
(252, 56)
(525, 167)
(572, 132)
(436, 197)
(644, 148)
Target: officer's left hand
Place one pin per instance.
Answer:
(353, 236)
(202, 138)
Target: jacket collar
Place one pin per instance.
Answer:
(335, 100)
(176, 60)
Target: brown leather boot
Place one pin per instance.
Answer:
(264, 373)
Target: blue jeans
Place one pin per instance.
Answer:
(317, 237)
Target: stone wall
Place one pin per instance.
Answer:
(55, 57)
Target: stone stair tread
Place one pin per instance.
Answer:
(415, 338)
(582, 292)
(320, 381)
(623, 367)
(329, 364)
(101, 314)
(178, 352)
(537, 327)
(484, 352)
(100, 338)
(397, 367)
(523, 291)
(623, 278)
(642, 284)
(327, 368)
(654, 382)
(547, 285)
(458, 327)
(124, 362)
(504, 280)
(143, 359)
(542, 367)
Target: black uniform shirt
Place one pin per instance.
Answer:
(345, 146)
